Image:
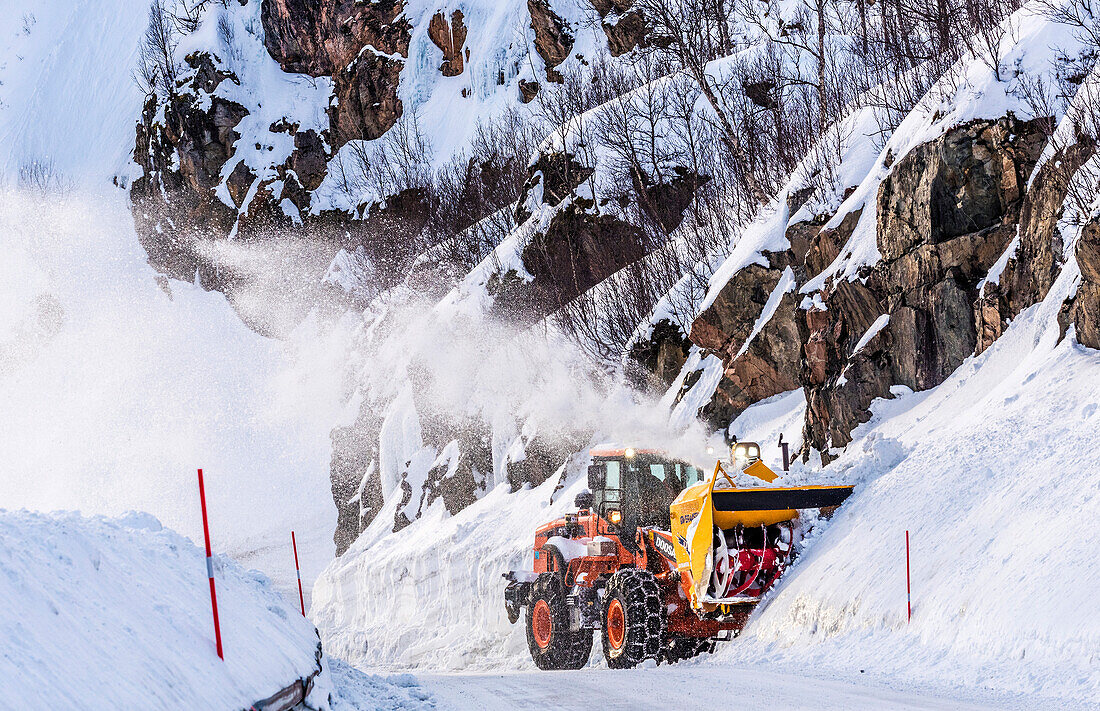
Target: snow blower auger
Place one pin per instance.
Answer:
(662, 559)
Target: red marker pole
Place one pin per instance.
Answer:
(210, 569)
(908, 585)
(301, 598)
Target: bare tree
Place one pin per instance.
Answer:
(157, 69)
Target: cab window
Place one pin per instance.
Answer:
(612, 481)
(688, 474)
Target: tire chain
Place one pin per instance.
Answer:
(642, 594)
(568, 649)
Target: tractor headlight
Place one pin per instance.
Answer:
(746, 452)
(629, 453)
(615, 516)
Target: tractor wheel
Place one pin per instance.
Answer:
(633, 618)
(552, 644)
(677, 649)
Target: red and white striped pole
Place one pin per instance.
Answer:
(301, 598)
(908, 585)
(210, 569)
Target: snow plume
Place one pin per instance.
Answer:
(118, 384)
(423, 367)
(429, 595)
(276, 282)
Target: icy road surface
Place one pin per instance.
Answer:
(691, 686)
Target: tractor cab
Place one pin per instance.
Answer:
(632, 488)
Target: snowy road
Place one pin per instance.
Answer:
(680, 687)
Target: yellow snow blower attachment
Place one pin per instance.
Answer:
(734, 542)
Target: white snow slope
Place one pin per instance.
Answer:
(116, 388)
(102, 613)
(67, 97)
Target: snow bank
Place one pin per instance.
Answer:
(102, 613)
(994, 474)
(431, 596)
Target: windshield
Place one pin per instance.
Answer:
(642, 487)
(658, 485)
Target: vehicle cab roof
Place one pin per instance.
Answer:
(617, 452)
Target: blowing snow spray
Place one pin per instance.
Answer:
(210, 569)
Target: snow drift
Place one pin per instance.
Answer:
(102, 613)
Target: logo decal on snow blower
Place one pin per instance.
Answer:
(688, 518)
(664, 546)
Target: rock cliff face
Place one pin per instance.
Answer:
(449, 36)
(944, 215)
(181, 147)
(309, 136)
(1086, 305)
(622, 23)
(553, 37)
(362, 46)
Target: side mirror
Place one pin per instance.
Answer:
(597, 475)
(583, 500)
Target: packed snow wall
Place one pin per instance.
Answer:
(115, 613)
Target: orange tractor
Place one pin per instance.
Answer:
(660, 557)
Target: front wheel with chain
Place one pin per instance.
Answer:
(633, 618)
(551, 643)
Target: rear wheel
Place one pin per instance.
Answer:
(551, 643)
(633, 618)
(677, 649)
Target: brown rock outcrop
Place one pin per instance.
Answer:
(769, 364)
(945, 215)
(624, 26)
(1086, 304)
(449, 36)
(181, 159)
(553, 38)
(577, 251)
(581, 246)
(361, 45)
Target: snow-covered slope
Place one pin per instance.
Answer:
(102, 613)
(67, 96)
(994, 475)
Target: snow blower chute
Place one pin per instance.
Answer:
(661, 558)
